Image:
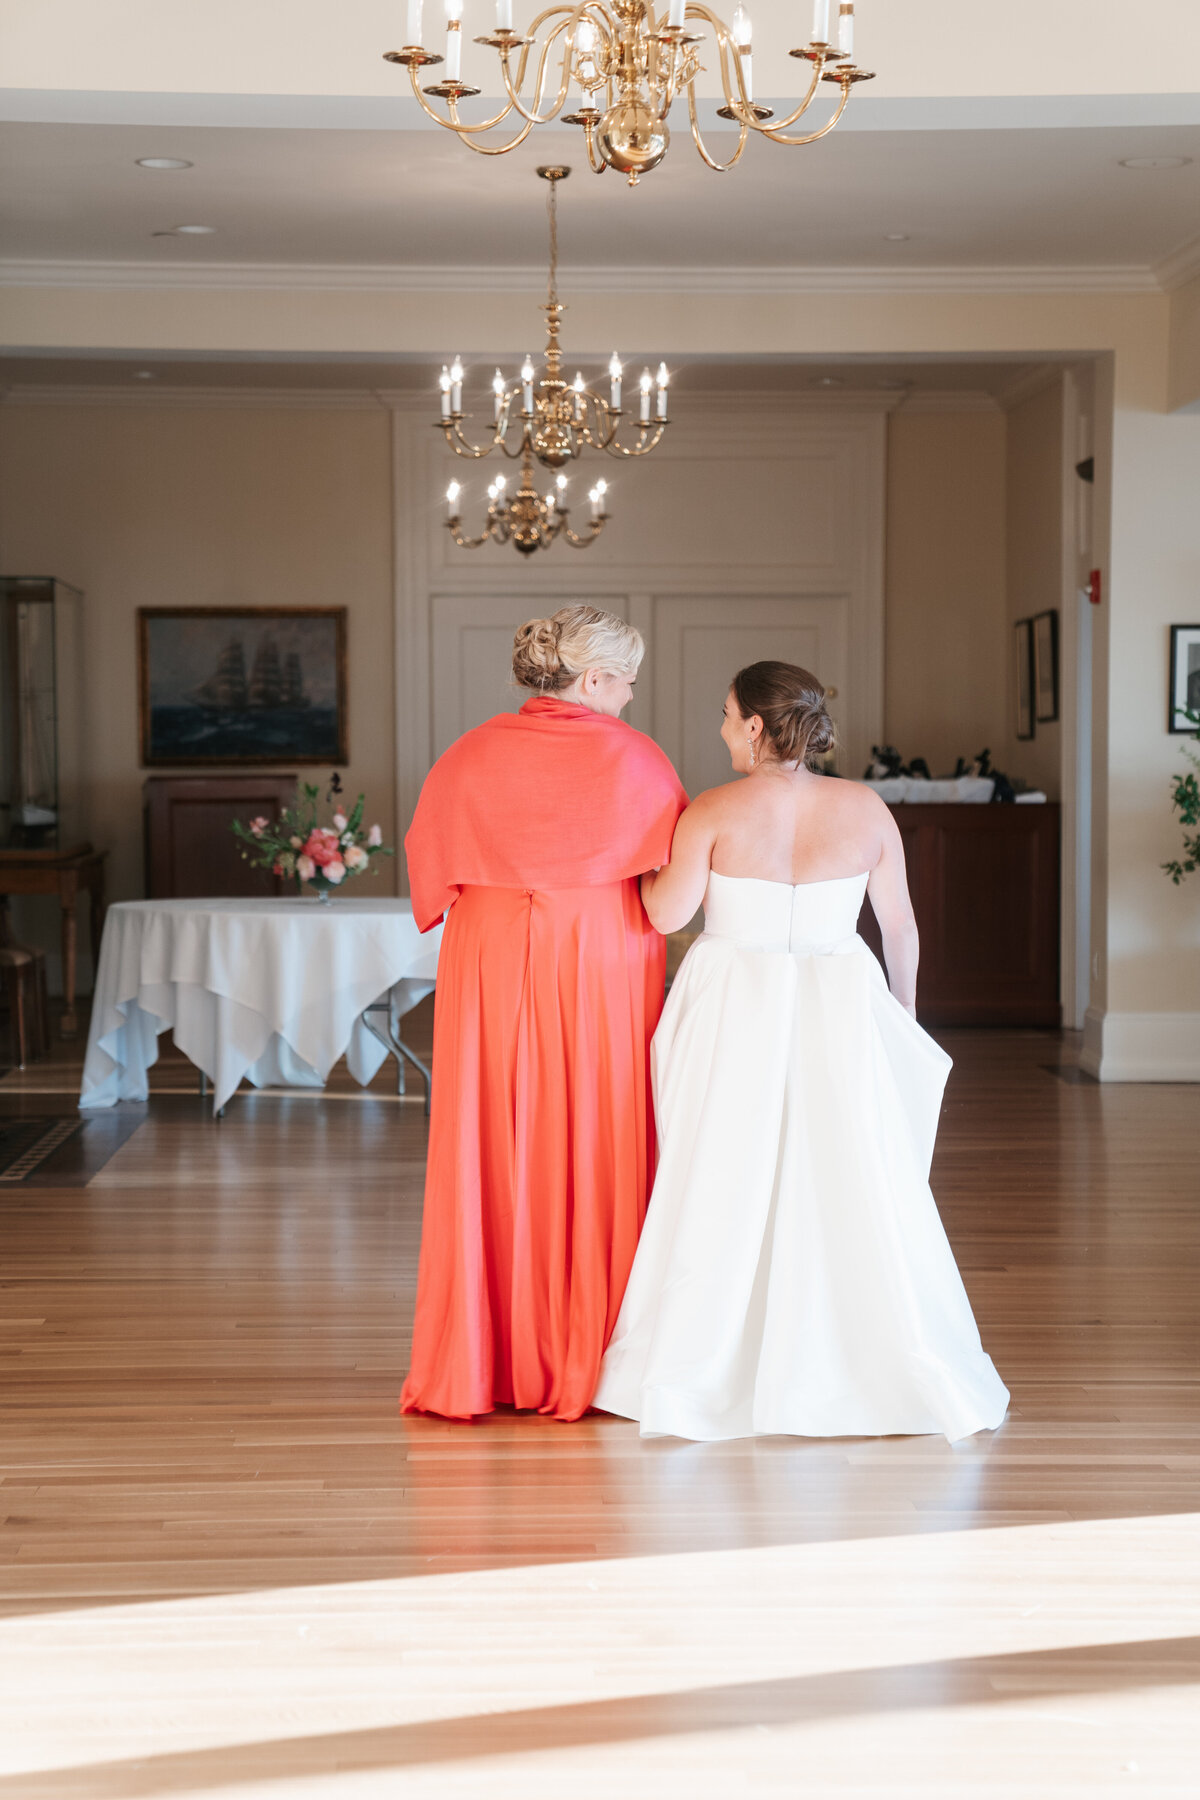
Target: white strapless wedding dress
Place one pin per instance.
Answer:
(793, 1275)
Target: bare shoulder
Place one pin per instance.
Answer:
(714, 802)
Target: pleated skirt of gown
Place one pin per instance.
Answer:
(540, 1146)
(794, 1275)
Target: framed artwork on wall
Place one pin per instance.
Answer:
(1023, 676)
(259, 684)
(1183, 692)
(1045, 667)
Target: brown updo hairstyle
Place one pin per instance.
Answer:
(549, 654)
(791, 704)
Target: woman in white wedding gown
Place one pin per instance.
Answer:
(793, 1275)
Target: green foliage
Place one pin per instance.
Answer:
(1185, 798)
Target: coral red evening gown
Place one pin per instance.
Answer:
(530, 835)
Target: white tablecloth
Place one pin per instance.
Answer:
(272, 991)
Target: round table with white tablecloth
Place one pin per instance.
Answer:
(272, 991)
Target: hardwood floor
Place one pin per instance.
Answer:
(228, 1567)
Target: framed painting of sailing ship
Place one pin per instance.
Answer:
(263, 684)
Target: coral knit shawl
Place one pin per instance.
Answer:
(554, 796)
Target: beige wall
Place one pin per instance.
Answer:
(213, 507)
(1034, 526)
(1185, 345)
(944, 689)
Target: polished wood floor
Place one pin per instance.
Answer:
(229, 1568)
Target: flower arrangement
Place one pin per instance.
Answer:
(297, 847)
(1185, 799)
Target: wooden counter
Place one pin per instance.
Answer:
(985, 887)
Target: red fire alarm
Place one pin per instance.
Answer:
(1094, 587)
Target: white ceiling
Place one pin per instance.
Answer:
(975, 199)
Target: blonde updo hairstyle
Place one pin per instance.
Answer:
(791, 704)
(549, 654)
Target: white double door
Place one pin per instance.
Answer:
(694, 644)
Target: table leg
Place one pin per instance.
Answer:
(69, 1024)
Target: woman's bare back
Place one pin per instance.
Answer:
(796, 826)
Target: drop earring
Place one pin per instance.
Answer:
(750, 741)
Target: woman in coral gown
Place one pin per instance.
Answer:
(529, 837)
(793, 1275)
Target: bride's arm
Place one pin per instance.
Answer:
(672, 894)
(888, 891)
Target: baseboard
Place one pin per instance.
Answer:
(1158, 1046)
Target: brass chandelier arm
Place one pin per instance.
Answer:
(641, 448)
(453, 123)
(468, 133)
(786, 124)
(702, 147)
(514, 97)
(811, 138)
(575, 539)
(494, 530)
(462, 445)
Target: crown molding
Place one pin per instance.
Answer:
(196, 399)
(724, 403)
(601, 279)
(1182, 264)
(949, 400)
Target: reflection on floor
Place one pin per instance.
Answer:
(228, 1567)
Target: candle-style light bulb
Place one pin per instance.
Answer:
(503, 15)
(743, 31)
(820, 33)
(661, 383)
(444, 384)
(454, 12)
(412, 35)
(578, 396)
(644, 386)
(456, 381)
(498, 391)
(594, 497)
(675, 15)
(614, 382)
(501, 483)
(452, 493)
(845, 29)
(527, 384)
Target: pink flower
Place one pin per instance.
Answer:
(356, 858)
(375, 837)
(258, 826)
(297, 843)
(335, 870)
(339, 821)
(323, 846)
(306, 868)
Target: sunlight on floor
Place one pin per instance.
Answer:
(927, 1664)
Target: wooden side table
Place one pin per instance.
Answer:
(67, 874)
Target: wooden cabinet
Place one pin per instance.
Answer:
(985, 887)
(191, 851)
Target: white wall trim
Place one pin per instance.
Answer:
(164, 395)
(1174, 270)
(950, 400)
(605, 279)
(1141, 1046)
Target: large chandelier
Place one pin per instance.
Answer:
(542, 417)
(627, 65)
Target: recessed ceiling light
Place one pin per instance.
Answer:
(1154, 162)
(186, 231)
(162, 162)
(829, 381)
(895, 237)
(143, 375)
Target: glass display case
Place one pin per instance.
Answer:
(40, 714)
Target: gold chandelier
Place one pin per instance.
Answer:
(543, 417)
(627, 65)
